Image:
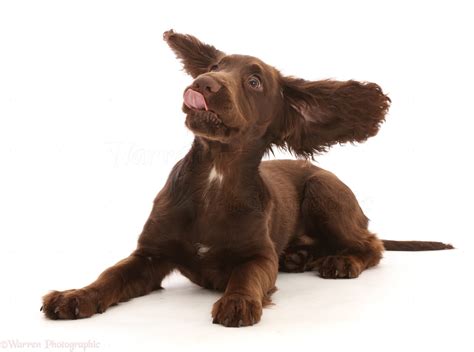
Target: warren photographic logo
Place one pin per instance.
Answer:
(57, 345)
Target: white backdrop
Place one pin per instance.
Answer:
(91, 124)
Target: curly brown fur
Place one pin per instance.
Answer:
(227, 220)
(322, 113)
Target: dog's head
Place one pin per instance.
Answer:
(235, 99)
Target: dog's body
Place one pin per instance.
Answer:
(220, 225)
(228, 221)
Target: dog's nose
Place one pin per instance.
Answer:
(207, 85)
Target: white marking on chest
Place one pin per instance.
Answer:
(214, 175)
(202, 249)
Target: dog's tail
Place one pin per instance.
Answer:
(415, 245)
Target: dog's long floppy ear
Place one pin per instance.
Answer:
(319, 114)
(197, 57)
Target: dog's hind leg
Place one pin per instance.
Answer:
(344, 246)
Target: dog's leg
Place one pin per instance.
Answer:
(248, 290)
(133, 276)
(332, 215)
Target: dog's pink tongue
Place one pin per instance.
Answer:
(194, 100)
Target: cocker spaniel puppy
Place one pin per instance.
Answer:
(230, 222)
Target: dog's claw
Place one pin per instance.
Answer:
(41, 309)
(76, 312)
(240, 323)
(56, 310)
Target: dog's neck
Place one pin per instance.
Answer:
(232, 159)
(212, 171)
(230, 163)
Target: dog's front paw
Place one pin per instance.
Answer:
(234, 310)
(71, 304)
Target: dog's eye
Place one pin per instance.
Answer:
(254, 82)
(213, 68)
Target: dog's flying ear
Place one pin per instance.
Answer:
(319, 114)
(197, 57)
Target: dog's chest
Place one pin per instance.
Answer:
(215, 225)
(213, 244)
(201, 249)
(206, 264)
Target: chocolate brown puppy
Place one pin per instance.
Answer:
(230, 222)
